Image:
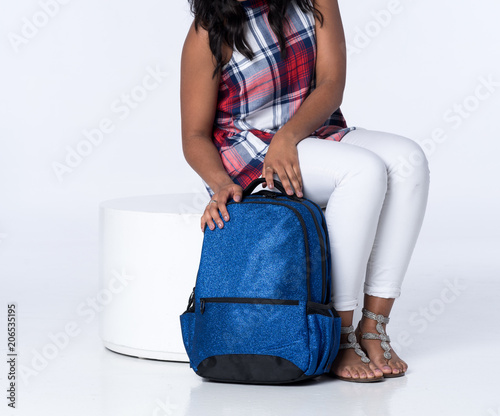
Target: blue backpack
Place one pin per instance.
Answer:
(260, 311)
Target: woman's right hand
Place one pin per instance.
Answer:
(218, 203)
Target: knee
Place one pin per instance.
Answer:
(371, 172)
(409, 163)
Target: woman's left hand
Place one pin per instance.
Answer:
(282, 158)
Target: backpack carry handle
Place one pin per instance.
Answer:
(256, 182)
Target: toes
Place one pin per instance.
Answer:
(398, 367)
(368, 372)
(346, 373)
(358, 373)
(376, 371)
(394, 368)
(386, 369)
(384, 366)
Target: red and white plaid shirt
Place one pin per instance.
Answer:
(257, 97)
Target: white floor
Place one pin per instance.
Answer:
(449, 337)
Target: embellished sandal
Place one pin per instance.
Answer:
(381, 336)
(352, 343)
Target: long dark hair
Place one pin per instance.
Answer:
(224, 19)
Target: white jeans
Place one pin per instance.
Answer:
(374, 186)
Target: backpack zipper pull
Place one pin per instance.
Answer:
(191, 300)
(202, 306)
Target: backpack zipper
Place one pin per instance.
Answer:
(190, 307)
(321, 242)
(327, 248)
(257, 301)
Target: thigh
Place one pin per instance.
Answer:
(324, 164)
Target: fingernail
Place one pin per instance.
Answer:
(271, 186)
(211, 226)
(226, 217)
(219, 224)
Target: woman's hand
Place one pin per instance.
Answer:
(282, 158)
(218, 202)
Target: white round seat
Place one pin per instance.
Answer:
(150, 249)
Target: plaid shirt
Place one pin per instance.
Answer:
(257, 97)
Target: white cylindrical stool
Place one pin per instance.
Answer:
(150, 249)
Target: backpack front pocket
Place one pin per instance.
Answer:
(266, 339)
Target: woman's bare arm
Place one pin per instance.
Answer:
(198, 105)
(330, 75)
(281, 157)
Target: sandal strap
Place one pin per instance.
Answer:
(352, 343)
(382, 335)
(379, 318)
(347, 329)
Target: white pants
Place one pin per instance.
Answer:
(374, 186)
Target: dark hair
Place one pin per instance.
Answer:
(224, 19)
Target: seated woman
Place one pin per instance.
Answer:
(261, 86)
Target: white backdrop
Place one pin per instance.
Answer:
(90, 106)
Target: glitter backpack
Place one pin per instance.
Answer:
(261, 308)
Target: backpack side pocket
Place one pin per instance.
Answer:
(187, 328)
(324, 336)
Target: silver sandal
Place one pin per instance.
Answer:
(352, 342)
(381, 336)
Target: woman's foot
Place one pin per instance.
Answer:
(391, 367)
(349, 365)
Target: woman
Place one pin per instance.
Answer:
(261, 86)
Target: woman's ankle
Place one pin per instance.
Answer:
(369, 325)
(346, 317)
